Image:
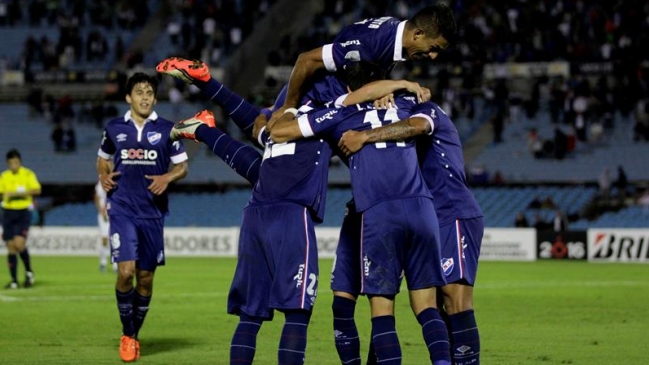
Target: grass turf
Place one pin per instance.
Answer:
(528, 313)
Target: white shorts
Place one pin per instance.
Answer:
(103, 226)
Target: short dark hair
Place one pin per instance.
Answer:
(140, 77)
(13, 153)
(436, 20)
(360, 73)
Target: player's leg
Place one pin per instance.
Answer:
(12, 262)
(123, 237)
(17, 224)
(293, 248)
(384, 331)
(19, 243)
(345, 284)
(292, 344)
(250, 290)
(242, 158)
(196, 72)
(244, 340)
(461, 243)
(424, 275)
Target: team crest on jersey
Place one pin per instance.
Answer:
(447, 266)
(121, 137)
(153, 137)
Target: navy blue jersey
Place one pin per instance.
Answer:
(381, 171)
(442, 164)
(294, 172)
(136, 153)
(375, 40)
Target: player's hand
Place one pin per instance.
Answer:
(385, 102)
(418, 90)
(351, 142)
(108, 182)
(276, 115)
(158, 184)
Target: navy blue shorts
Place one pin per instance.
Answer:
(346, 270)
(400, 236)
(15, 223)
(140, 240)
(277, 265)
(461, 241)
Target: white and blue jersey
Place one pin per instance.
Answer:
(374, 40)
(137, 152)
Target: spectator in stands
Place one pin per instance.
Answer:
(560, 144)
(540, 223)
(70, 138)
(643, 201)
(559, 222)
(604, 182)
(57, 137)
(621, 183)
(521, 221)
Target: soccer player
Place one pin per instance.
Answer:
(99, 198)
(380, 41)
(399, 225)
(18, 186)
(134, 165)
(460, 217)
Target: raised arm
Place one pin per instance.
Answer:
(352, 141)
(306, 65)
(378, 89)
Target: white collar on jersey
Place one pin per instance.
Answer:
(398, 43)
(152, 117)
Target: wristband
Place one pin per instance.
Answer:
(292, 111)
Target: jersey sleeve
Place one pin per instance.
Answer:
(177, 152)
(107, 147)
(338, 55)
(32, 181)
(428, 112)
(319, 122)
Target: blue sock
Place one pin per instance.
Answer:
(125, 306)
(12, 262)
(346, 338)
(466, 339)
(371, 355)
(242, 112)
(244, 340)
(24, 256)
(242, 158)
(292, 345)
(140, 309)
(435, 335)
(386, 342)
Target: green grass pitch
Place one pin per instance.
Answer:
(528, 313)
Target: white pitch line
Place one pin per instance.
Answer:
(562, 284)
(66, 298)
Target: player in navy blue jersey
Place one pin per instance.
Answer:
(399, 225)
(380, 41)
(136, 162)
(460, 217)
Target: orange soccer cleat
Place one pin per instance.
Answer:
(129, 349)
(187, 70)
(187, 128)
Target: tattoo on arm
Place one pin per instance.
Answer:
(393, 132)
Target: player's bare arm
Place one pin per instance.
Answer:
(306, 65)
(159, 183)
(352, 141)
(260, 123)
(379, 89)
(106, 174)
(284, 129)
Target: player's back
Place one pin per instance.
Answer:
(442, 165)
(296, 172)
(381, 171)
(373, 40)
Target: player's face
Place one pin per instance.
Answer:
(423, 47)
(13, 164)
(142, 99)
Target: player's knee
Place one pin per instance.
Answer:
(458, 299)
